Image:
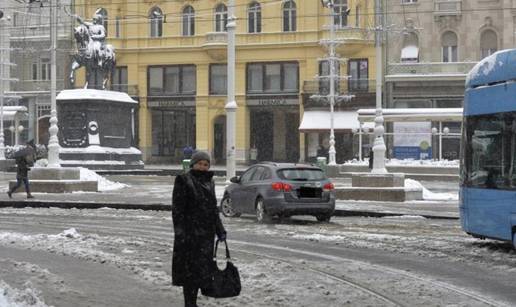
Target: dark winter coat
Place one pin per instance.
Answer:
(196, 222)
(23, 166)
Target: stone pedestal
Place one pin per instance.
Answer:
(378, 187)
(57, 180)
(97, 129)
(7, 165)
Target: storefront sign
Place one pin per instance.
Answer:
(272, 102)
(171, 103)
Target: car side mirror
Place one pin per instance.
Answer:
(235, 179)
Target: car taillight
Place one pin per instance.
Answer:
(328, 187)
(281, 187)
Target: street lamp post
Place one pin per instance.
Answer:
(333, 60)
(2, 80)
(231, 105)
(53, 144)
(379, 147)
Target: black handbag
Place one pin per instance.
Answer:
(224, 283)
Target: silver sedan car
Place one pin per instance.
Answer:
(272, 189)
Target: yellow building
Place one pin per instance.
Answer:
(171, 56)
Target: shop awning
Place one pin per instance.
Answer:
(320, 121)
(14, 112)
(409, 53)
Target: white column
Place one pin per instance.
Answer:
(53, 143)
(231, 105)
(379, 143)
(440, 141)
(360, 129)
(2, 77)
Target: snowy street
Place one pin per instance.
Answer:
(107, 257)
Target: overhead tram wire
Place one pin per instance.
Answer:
(179, 14)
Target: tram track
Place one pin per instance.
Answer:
(157, 234)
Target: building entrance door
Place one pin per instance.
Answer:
(43, 126)
(262, 134)
(219, 140)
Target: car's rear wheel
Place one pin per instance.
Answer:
(323, 218)
(226, 206)
(261, 215)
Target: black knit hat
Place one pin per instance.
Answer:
(198, 156)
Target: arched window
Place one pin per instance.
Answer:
(156, 22)
(289, 16)
(103, 12)
(449, 46)
(488, 43)
(254, 18)
(410, 50)
(221, 18)
(188, 21)
(340, 8)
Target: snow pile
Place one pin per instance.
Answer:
(10, 297)
(428, 195)
(103, 183)
(409, 162)
(70, 233)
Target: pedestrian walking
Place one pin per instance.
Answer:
(196, 223)
(24, 160)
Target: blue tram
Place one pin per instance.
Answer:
(488, 152)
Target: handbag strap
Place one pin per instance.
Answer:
(217, 247)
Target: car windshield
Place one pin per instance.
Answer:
(301, 174)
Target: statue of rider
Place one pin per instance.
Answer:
(97, 34)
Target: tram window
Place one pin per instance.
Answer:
(490, 152)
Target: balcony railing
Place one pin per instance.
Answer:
(447, 8)
(352, 87)
(430, 68)
(130, 89)
(350, 33)
(216, 38)
(39, 31)
(36, 85)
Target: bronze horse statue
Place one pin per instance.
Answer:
(93, 55)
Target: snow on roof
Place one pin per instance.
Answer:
(320, 120)
(11, 112)
(92, 94)
(497, 67)
(413, 114)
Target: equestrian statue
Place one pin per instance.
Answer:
(93, 52)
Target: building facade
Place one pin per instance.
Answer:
(29, 30)
(171, 56)
(432, 45)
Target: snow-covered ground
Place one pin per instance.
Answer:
(409, 162)
(295, 263)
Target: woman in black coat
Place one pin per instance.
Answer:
(196, 222)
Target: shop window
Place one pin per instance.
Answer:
(172, 80)
(289, 16)
(218, 79)
(118, 27)
(156, 22)
(119, 81)
(488, 43)
(272, 78)
(358, 71)
(324, 71)
(188, 21)
(221, 18)
(449, 47)
(104, 16)
(341, 13)
(255, 18)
